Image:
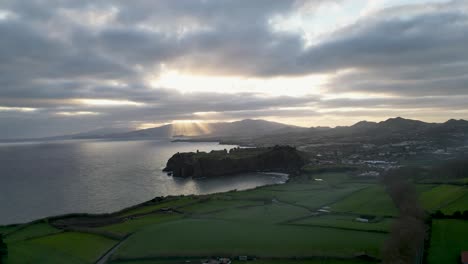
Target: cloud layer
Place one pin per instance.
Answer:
(69, 66)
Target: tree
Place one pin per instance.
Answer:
(408, 232)
(465, 214)
(3, 249)
(438, 214)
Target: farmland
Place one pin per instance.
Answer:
(311, 219)
(441, 196)
(65, 247)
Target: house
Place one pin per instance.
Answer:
(464, 257)
(362, 220)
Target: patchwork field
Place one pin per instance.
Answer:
(311, 216)
(372, 200)
(201, 237)
(65, 247)
(345, 221)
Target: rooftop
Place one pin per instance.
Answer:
(464, 256)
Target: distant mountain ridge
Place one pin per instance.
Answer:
(243, 128)
(262, 132)
(390, 130)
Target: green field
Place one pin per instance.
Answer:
(216, 204)
(271, 213)
(448, 239)
(133, 225)
(31, 231)
(441, 196)
(66, 247)
(372, 200)
(200, 237)
(460, 204)
(278, 221)
(345, 222)
(170, 203)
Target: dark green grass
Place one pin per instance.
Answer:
(448, 239)
(212, 205)
(136, 224)
(201, 237)
(346, 221)
(271, 213)
(66, 247)
(8, 229)
(31, 231)
(369, 201)
(440, 196)
(171, 203)
(460, 204)
(316, 199)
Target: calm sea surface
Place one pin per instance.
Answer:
(54, 178)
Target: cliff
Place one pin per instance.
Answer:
(238, 160)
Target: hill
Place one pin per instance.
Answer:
(391, 130)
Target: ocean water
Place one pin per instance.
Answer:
(40, 179)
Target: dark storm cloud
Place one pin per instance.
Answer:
(54, 52)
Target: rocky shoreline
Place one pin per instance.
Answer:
(238, 160)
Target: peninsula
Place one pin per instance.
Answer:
(237, 160)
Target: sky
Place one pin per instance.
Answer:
(70, 66)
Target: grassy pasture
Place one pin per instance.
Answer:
(440, 196)
(372, 200)
(32, 231)
(136, 224)
(7, 229)
(345, 221)
(316, 199)
(30, 252)
(66, 247)
(201, 237)
(212, 205)
(173, 203)
(272, 213)
(460, 204)
(448, 239)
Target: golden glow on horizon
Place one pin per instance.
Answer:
(17, 109)
(149, 125)
(77, 113)
(188, 82)
(190, 128)
(107, 102)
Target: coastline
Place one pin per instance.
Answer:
(153, 201)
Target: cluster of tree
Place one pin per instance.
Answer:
(448, 170)
(456, 215)
(3, 249)
(408, 232)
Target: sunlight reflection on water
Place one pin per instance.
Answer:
(44, 179)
